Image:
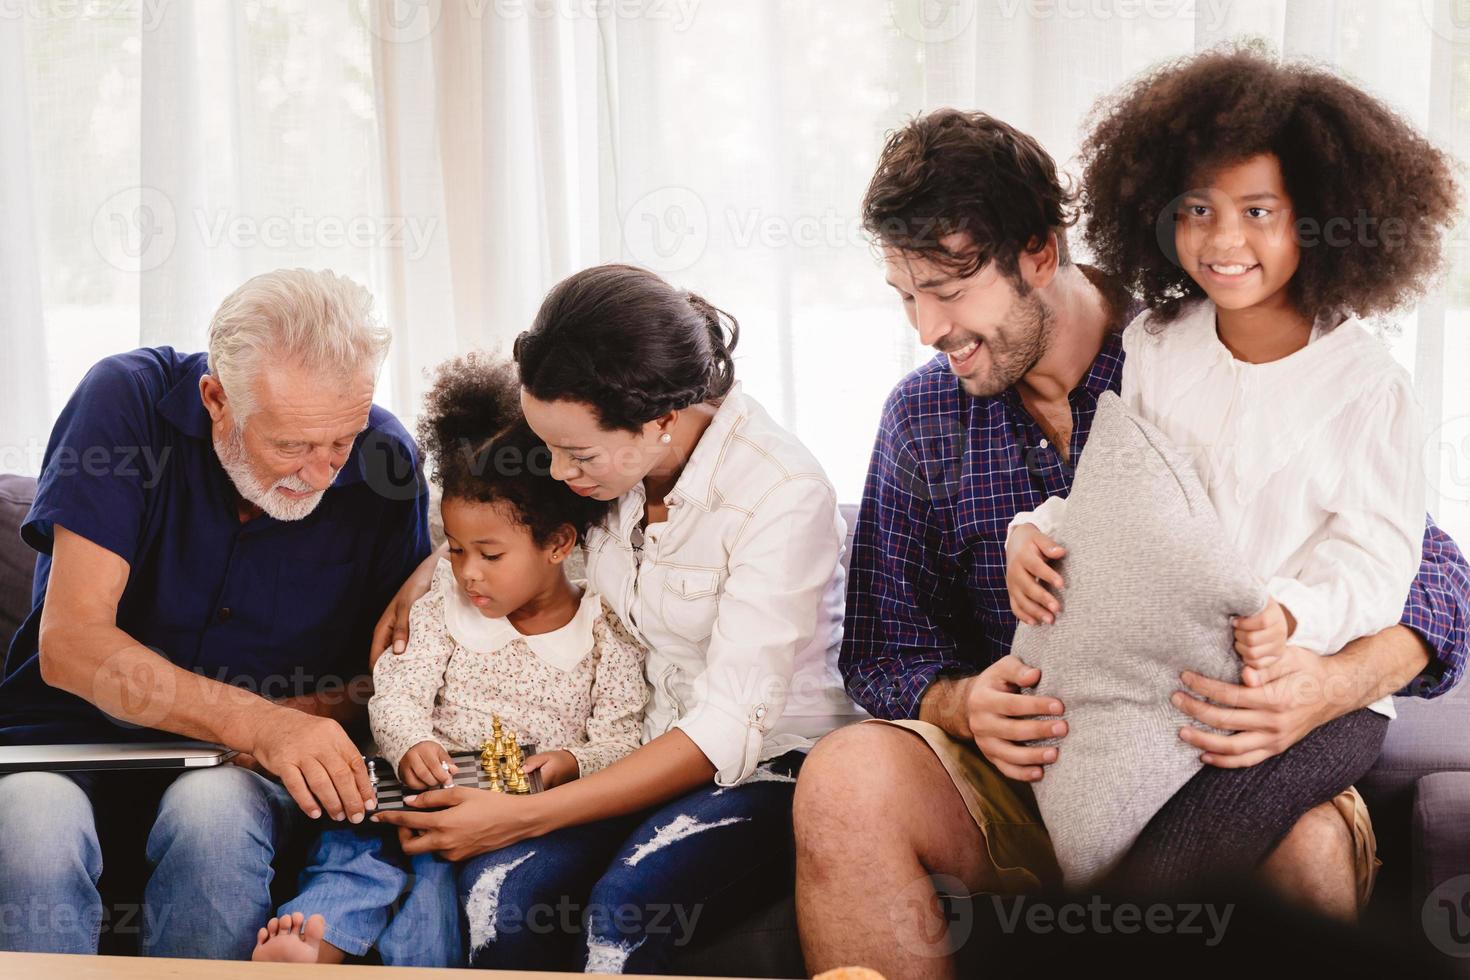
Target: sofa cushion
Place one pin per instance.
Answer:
(17, 560)
(1426, 737)
(1151, 582)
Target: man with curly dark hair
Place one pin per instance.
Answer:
(972, 221)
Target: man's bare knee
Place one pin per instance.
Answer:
(842, 783)
(1320, 835)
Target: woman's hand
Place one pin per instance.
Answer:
(1028, 557)
(556, 767)
(473, 822)
(426, 766)
(392, 629)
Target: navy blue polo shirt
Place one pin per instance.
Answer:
(278, 607)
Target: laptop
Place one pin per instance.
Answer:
(116, 755)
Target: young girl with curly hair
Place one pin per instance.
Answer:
(502, 631)
(1261, 210)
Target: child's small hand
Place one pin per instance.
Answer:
(1028, 554)
(556, 767)
(1261, 639)
(426, 766)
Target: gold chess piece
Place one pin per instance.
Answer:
(490, 766)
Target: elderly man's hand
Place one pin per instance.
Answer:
(315, 761)
(1273, 710)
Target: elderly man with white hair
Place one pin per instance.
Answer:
(216, 534)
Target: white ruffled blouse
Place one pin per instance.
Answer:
(579, 688)
(1312, 462)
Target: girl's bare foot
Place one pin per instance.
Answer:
(288, 939)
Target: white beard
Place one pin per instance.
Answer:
(236, 462)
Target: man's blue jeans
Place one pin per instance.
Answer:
(210, 848)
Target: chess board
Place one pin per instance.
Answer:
(390, 791)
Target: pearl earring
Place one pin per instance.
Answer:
(665, 438)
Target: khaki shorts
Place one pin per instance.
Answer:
(1019, 847)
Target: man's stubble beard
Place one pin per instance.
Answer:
(1017, 348)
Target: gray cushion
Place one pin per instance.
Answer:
(17, 560)
(1150, 585)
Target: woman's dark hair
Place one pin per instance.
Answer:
(624, 341)
(1371, 195)
(481, 449)
(950, 171)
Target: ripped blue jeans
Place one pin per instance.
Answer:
(621, 895)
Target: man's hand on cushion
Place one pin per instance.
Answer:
(1276, 707)
(1029, 554)
(998, 717)
(1261, 639)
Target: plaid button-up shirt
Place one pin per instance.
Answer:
(927, 591)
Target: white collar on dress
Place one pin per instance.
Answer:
(562, 648)
(1285, 403)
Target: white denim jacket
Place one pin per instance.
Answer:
(738, 596)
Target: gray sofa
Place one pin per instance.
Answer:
(1419, 793)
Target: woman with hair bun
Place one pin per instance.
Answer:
(721, 552)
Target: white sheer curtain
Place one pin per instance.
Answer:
(460, 156)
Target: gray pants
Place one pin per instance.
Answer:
(1226, 821)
